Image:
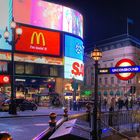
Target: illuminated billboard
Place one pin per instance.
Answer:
(48, 15)
(73, 68)
(74, 47)
(39, 41)
(5, 19)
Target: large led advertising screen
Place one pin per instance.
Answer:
(74, 47)
(48, 15)
(39, 41)
(73, 68)
(5, 19)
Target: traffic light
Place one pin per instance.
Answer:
(49, 86)
(132, 89)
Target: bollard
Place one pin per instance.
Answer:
(65, 113)
(52, 122)
(88, 107)
(5, 136)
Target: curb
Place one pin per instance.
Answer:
(36, 115)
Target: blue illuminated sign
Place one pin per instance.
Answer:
(114, 70)
(128, 69)
(74, 47)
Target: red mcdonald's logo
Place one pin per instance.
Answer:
(38, 37)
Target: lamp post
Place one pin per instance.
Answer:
(18, 31)
(75, 87)
(96, 55)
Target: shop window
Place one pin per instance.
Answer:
(3, 66)
(19, 68)
(53, 71)
(29, 69)
(44, 70)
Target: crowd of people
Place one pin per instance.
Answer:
(108, 103)
(112, 103)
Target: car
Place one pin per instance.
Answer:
(21, 105)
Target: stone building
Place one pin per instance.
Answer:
(113, 50)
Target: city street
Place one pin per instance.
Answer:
(28, 124)
(24, 128)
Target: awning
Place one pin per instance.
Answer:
(118, 92)
(111, 92)
(105, 92)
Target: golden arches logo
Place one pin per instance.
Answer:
(38, 37)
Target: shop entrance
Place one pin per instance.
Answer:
(33, 88)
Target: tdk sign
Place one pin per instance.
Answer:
(127, 69)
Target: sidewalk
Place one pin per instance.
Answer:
(41, 111)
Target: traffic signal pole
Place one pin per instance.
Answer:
(75, 87)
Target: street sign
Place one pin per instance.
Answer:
(125, 69)
(126, 63)
(114, 70)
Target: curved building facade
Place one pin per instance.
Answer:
(49, 52)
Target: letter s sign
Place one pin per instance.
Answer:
(77, 69)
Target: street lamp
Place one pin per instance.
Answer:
(18, 31)
(96, 55)
(75, 87)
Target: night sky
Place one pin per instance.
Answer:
(106, 18)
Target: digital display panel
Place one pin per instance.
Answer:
(74, 47)
(39, 41)
(38, 59)
(5, 19)
(48, 15)
(73, 68)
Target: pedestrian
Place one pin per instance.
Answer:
(131, 102)
(78, 105)
(120, 103)
(105, 103)
(126, 103)
(111, 111)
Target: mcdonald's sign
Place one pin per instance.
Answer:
(38, 36)
(39, 41)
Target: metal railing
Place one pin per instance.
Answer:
(55, 125)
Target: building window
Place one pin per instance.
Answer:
(100, 80)
(19, 68)
(53, 71)
(118, 81)
(111, 64)
(106, 81)
(29, 69)
(44, 70)
(112, 80)
(129, 81)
